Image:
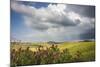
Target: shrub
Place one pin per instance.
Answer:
(50, 55)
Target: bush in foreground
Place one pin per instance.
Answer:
(50, 55)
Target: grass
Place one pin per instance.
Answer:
(76, 52)
(87, 49)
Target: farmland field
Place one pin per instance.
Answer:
(67, 52)
(51, 33)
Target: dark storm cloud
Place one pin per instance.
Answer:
(64, 21)
(84, 10)
(88, 34)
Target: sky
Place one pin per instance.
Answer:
(39, 22)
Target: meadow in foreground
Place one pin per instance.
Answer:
(65, 52)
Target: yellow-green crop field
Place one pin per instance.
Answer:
(77, 52)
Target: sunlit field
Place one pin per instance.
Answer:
(23, 54)
(51, 33)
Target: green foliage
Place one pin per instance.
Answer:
(41, 56)
(75, 52)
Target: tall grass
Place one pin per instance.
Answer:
(50, 55)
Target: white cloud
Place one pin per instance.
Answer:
(16, 6)
(55, 21)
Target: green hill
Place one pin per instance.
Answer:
(87, 49)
